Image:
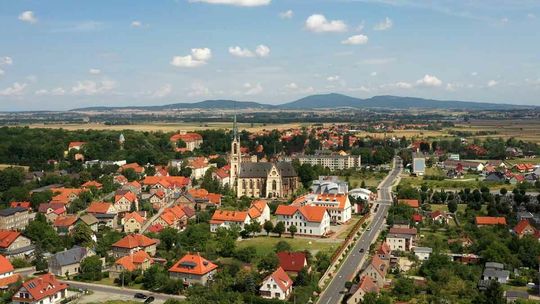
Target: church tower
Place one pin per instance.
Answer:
(235, 156)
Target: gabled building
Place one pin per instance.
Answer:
(68, 262)
(338, 206)
(65, 224)
(133, 243)
(44, 289)
(292, 262)
(14, 245)
(259, 211)
(366, 285)
(481, 221)
(402, 239)
(124, 200)
(105, 213)
(15, 218)
(377, 270)
(139, 260)
(192, 140)
(524, 228)
(203, 198)
(278, 285)
(309, 220)
(89, 184)
(173, 217)
(52, 210)
(7, 274)
(227, 219)
(89, 220)
(193, 269)
(413, 203)
(133, 222)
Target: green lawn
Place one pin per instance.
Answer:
(343, 234)
(265, 244)
(372, 179)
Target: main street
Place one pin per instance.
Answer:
(348, 270)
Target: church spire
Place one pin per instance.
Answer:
(235, 128)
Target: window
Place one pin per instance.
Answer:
(274, 185)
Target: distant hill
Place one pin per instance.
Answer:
(329, 101)
(207, 104)
(334, 100)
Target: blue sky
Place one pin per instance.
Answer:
(57, 55)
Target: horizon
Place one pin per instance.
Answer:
(77, 55)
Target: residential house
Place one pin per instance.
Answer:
(513, 295)
(203, 198)
(338, 205)
(65, 224)
(226, 219)
(173, 217)
(7, 274)
(278, 285)
(402, 239)
(14, 245)
(377, 270)
(259, 211)
(25, 205)
(493, 272)
(89, 184)
(199, 166)
(192, 141)
(65, 195)
(439, 217)
(133, 222)
(44, 289)
(136, 168)
(68, 262)
(193, 269)
(496, 177)
(15, 218)
(422, 253)
(309, 220)
(524, 228)
(158, 199)
(366, 285)
(222, 175)
(417, 218)
(125, 200)
(133, 243)
(133, 186)
(139, 260)
(52, 210)
(489, 220)
(89, 220)
(105, 213)
(120, 179)
(292, 262)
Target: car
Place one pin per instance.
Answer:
(149, 300)
(361, 250)
(139, 295)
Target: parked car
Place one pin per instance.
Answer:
(139, 295)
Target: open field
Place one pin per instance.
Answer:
(4, 166)
(265, 244)
(526, 130)
(168, 127)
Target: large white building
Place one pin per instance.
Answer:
(309, 220)
(333, 162)
(338, 205)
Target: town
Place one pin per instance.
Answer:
(305, 215)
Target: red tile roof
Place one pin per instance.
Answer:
(43, 286)
(490, 220)
(417, 218)
(65, 221)
(522, 225)
(5, 265)
(130, 196)
(341, 199)
(281, 278)
(89, 184)
(7, 237)
(134, 215)
(292, 261)
(74, 144)
(229, 216)
(25, 205)
(134, 240)
(367, 284)
(413, 203)
(186, 137)
(399, 230)
(136, 167)
(193, 264)
(310, 213)
(99, 207)
(130, 262)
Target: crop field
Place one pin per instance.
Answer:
(527, 130)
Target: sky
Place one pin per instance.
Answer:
(59, 55)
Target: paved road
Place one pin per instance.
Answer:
(113, 290)
(333, 294)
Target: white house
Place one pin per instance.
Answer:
(402, 239)
(422, 253)
(309, 220)
(259, 211)
(338, 205)
(278, 285)
(45, 289)
(226, 219)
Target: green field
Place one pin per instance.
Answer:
(265, 244)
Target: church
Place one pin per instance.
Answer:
(260, 179)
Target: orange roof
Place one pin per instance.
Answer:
(7, 237)
(281, 278)
(490, 220)
(341, 199)
(198, 193)
(134, 215)
(186, 137)
(311, 213)
(5, 265)
(166, 181)
(199, 162)
(41, 287)
(6, 281)
(99, 207)
(135, 184)
(62, 195)
(229, 216)
(130, 196)
(25, 205)
(74, 144)
(367, 284)
(413, 203)
(193, 264)
(256, 209)
(221, 173)
(286, 210)
(129, 262)
(379, 265)
(134, 240)
(65, 221)
(520, 227)
(136, 167)
(89, 184)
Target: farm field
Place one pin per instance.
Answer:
(526, 130)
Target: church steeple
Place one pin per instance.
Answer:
(235, 129)
(234, 156)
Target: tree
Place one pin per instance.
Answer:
(292, 230)
(268, 262)
(494, 293)
(130, 174)
(246, 254)
(452, 206)
(503, 191)
(91, 268)
(279, 228)
(268, 227)
(82, 235)
(282, 246)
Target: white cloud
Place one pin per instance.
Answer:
(252, 89)
(384, 25)
(403, 85)
(356, 40)
(236, 2)
(262, 50)
(198, 57)
(54, 92)
(14, 90)
(332, 78)
(6, 60)
(291, 86)
(429, 81)
(359, 89)
(94, 71)
(28, 16)
(492, 83)
(198, 90)
(373, 74)
(319, 24)
(474, 74)
(286, 15)
(297, 89)
(240, 52)
(163, 91)
(89, 87)
(136, 23)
